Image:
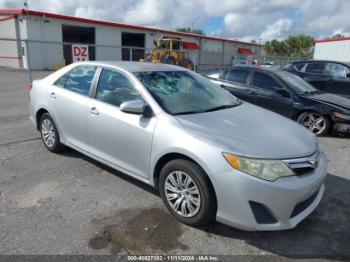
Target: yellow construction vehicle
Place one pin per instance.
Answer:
(169, 50)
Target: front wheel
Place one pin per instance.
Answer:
(186, 63)
(186, 192)
(315, 122)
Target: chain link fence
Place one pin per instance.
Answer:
(21, 61)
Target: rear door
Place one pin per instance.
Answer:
(340, 81)
(314, 74)
(265, 86)
(68, 98)
(237, 84)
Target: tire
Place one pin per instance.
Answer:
(186, 63)
(166, 59)
(205, 210)
(316, 123)
(49, 134)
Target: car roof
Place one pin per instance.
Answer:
(322, 61)
(264, 69)
(134, 66)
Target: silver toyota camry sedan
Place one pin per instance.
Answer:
(210, 155)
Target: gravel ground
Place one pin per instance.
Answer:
(69, 204)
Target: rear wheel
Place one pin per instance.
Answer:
(186, 192)
(315, 122)
(49, 134)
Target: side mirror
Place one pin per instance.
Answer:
(282, 92)
(138, 107)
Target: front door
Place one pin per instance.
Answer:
(119, 138)
(266, 88)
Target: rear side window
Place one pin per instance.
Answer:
(298, 67)
(265, 81)
(60, 82)
(223, 75)
(238, 76)
(115, 88)
(316, 68)
(80, 78)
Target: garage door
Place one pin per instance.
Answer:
(77, 35)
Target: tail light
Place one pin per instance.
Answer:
(30, 87)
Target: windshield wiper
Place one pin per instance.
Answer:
(312, 92)
(219, 108)
(188, 112)
(206, 110)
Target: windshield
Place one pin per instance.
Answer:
(297, 84)
(183, 92)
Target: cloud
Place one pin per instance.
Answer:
(241, 19)
(277, 30)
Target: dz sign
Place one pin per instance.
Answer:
(80, 53)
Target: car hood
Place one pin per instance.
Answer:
(252, 131)
(331, 99)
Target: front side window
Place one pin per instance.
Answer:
(316, 68)
(265, 81)
(80, 78)
(183, 92)
(238, 76)
(337, 70)
(176, 45)
(115, 88)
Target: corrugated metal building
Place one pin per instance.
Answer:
(49, 38)
(337, 49)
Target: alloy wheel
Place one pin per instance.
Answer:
(182, 194)
(316, 123)
(48, 132)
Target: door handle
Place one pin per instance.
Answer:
(93, 110)
(53, 95)
(253, 93)
(222, 85)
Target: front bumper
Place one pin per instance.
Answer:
(340, 127)
(235, 191)
(32, 113)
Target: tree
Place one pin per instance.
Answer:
(338, 36)
(190, 30)
(297, 46)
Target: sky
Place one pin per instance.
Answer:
(247, 20)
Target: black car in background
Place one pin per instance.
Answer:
(329, 76)
(287, 94)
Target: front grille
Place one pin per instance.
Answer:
(262, 214)
(305, 165)
(300, 207)
(303, 170)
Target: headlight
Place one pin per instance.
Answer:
(265, 169)
(342, 116)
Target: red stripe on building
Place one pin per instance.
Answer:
(6, 18)
(332, 40)
(9, 57)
